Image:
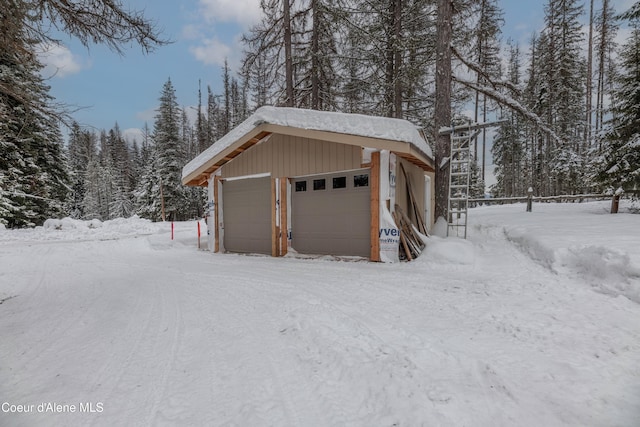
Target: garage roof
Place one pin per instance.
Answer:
(397, 135)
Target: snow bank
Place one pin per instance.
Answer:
(350, 124)
(609, 270)
(586, 242)
(75, 229)
(71, 224)
(448, 251)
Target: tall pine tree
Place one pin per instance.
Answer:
(620, 161)
(170, 152)
(33, 173)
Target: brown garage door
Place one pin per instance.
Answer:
(246, 207)
(331, 214)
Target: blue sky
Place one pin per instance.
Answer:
(125, 89)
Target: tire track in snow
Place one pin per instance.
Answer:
(337, 404)
(339, 408)
(207, 371)
(269, 349)
(127, 371)
(132, 333)
(124, 366)
(68, 317)
(167, 365)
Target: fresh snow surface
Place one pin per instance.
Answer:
(533, 321)
(350, 124)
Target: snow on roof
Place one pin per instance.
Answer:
(345, 123)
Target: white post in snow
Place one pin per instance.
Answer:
(529, 199)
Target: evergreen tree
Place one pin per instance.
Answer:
(315, 53)
(202, 139)
(33, 172)
(355, 90)
(81, 150)
(268, 55)
(213, 131)
(389, 56)
(564, 80)
(170, 151)
(118, 174)
(633, 13)
(487, 47)
(147, 194)
(606, 30)
(620, 161)
(477, 184)
(92, 200)
(147, 201)
(227, 122)
(89, 21)
(510, 149)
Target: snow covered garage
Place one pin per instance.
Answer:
(315, 182)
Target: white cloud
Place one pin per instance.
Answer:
(244, 12)
(59, 61)
(191, 32)
(211, 51)
(147, 115)
(133, 134)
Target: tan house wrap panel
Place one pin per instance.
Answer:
(416, 176)
(286, 155)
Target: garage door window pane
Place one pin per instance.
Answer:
(301, 185)
(361, 180)
(319, 184)
(340, 182)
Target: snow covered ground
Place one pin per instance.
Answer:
(534, 321)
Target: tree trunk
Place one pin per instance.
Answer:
(390, 71)
(315, 52)
(602, 59)
(397, 34)
(289, 102)
(589, 88)
(442, 116)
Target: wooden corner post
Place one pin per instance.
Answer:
(284, 227)
(274, 222)
(375, 206)
(216, 217)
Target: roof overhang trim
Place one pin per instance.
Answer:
(262, 132)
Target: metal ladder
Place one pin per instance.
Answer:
(459, 180)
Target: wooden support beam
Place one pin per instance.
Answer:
(274, 227)
(375, 206)
(216, 228)
(284, 227)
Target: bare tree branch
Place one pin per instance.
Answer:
(511, 103)
(90, 21)
(476, 68)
